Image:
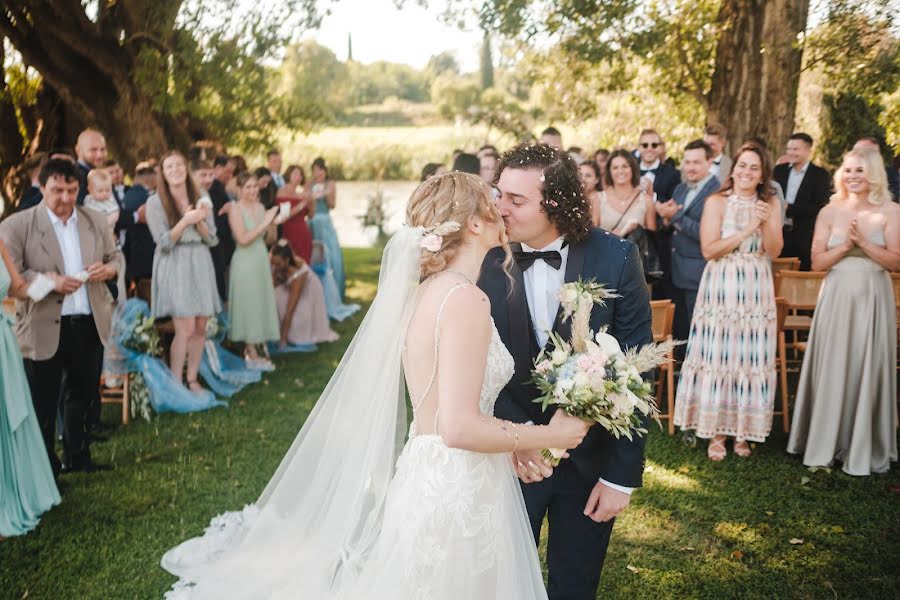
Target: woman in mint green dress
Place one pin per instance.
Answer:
(27, 488)
(253, 316)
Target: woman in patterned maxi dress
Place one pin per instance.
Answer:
(727, 386)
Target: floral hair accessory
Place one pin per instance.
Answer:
(434, 235)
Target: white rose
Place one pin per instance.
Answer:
(581, 380)
(565, 384)
(559, 357)
(608, 344)
(570, 295)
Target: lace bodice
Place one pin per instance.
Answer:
(738, 213)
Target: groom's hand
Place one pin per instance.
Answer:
(605, 503)
(530, 466)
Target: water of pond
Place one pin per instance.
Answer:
(352, 201)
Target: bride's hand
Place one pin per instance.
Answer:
(570, 431)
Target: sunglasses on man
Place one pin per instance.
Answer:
(650, 144)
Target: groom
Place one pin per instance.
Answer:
(548, 221)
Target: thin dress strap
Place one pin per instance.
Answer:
(431, 380)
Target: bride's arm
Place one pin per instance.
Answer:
(465, 335)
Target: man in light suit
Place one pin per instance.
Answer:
(717, 138)
(65, 330)
(684, 215)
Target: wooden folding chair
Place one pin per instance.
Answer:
(663, 315)
(787, 263)
(117, 395)
(781, 363)
(800, 290)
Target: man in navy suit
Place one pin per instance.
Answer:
(683, 215)
(659, 179)
(548, 219)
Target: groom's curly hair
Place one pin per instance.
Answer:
(564, 201)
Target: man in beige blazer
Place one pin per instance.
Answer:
(64, 331)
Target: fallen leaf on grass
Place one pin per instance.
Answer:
(282, 395)
(837, 529)
(795, 541)
(737, 555)
(299, 383)
(770, 512)
(804, 480)
(686, 549)
(633, 569)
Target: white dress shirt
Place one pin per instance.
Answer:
(78, 302)
(716, 166)
(650, 167)
(795, 178)
(542, 285)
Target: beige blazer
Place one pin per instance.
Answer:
(34, 249)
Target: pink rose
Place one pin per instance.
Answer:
(432, 242)
(543, 366)
(584, 363)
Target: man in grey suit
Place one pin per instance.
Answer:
(717, 139)
(684, 215)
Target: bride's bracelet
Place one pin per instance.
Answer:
(503, 425)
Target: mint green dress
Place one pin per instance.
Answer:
(27, 489)
(252, 314)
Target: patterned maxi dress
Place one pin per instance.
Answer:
(727, 384)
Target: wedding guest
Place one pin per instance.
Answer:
(252, 315)
(601, 157)
(552, 137)
(806, 189)
(295, 229)
(467, 163)
(717, 138)
(727, 385)
(688, 262)
(139, 247)
(184, 281)
(63, 154)
(32, 196)
(100, 196)
(300, 300)
(273, 163)
(576, 153)
(267, 189)
(27, 487)
(115, 171)
(893, 178)
(91, 152)
(623, 206)
(846, 407)
(323, 193)
(488, 167)
(487, 149)
(223, 171)
(432, 170)
(337, 309)
(237, 165)
(203, 173)
(663, 156)
(64, 331)
(590, 177)
(659, 180)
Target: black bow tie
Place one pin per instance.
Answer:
(526, 259)
(645, 171)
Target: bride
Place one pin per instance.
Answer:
(353, 513)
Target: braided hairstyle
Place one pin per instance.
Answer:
(564, 201)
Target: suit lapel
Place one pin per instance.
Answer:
(574, 267)
(49, 241)
(519, 323)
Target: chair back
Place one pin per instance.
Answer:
(787, 263)
(800, 289)
(781, 307)
(663, 315)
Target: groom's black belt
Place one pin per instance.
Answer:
(526, 259)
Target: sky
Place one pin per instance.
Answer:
(381, 32)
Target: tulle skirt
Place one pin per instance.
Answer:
(454, 526)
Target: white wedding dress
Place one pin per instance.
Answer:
(452, 525)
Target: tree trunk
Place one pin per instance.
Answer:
(757, 70)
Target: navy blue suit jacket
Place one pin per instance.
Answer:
(687, 257)
(614, 262)
(139, 244)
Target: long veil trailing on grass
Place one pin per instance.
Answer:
(322, 510)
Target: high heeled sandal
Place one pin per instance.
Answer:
(716, 450)
(742, 449)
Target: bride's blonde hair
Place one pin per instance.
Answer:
(445, 200)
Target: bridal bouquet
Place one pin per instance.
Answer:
(590, 377)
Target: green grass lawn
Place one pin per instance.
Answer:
(696, 530)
